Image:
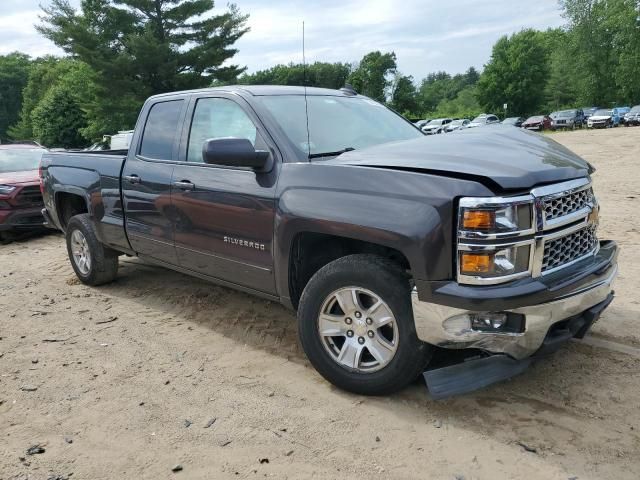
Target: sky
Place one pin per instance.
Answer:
(426, 35)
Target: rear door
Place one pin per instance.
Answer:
(146, 181)
(224, 216)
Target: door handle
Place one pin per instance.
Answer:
(184, 185)
(132, 178)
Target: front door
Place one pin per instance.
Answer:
(146, 183)
(224, 216)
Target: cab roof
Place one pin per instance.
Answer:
(267, 90)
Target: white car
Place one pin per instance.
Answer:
(436, 126)
(484, 119)
(602, 118)
(457, 125)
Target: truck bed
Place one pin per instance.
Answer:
(107, 162)
(96, 177)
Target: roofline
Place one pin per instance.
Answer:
(247, 89)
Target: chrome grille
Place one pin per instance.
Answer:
(556, 207)
(563, 250)
(30, 196)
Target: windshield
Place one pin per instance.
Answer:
(602, 112)
(567, 114)
(457, 122)
(511, 120)
(437, 121)
(20, 159)
(534, 119)
(337, 123)
(635, 109)
(480, 119)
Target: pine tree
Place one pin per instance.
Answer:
(139, 48)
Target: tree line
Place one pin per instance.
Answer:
(120, 52)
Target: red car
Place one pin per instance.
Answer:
(20, 197)
(537, 122)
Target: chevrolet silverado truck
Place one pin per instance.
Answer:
(390, 245)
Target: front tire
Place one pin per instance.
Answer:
(356, 326)
(93, 263)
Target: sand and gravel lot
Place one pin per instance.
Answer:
(159, 369)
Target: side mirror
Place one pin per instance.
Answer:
(235, 152)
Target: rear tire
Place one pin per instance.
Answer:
(93, 263)
(387, 354)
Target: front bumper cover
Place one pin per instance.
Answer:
(21, 219)
(566, 294)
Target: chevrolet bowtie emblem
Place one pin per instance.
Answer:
(594, 215)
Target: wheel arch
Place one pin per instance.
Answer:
(311, 250)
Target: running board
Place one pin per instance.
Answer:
(472, 375)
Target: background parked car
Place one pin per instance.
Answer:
(603, 118)
(537, 122)
(436, 126)
(632, 117)
(515, 121)
(20, 197)
(457, 125)
(568, 119)
(484, 119)
(588, 111)
(622, 111)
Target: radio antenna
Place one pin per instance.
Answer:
(304, 82)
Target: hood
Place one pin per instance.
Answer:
(17, 178)
(509, 157)
(600, 117)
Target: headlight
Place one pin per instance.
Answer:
(6, 189)
(495, 262)
(495, 219)
(489, 217)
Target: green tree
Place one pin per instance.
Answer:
(58, 119)
(404, 99)
(516, 74)
(464, 105)
(318, 74)
(604, 42)
(561, 87)
(14, 73)
(438, 87)
(54, 74)
(373, 75)
(139, 48)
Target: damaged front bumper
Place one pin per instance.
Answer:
(553, 310)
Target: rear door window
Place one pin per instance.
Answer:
(161, 130)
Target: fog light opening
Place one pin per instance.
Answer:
(497, 322)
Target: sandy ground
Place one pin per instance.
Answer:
(121, 381)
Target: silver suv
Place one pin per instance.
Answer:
(632, 117)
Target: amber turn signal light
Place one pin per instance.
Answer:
(478, 220)
(474, 263)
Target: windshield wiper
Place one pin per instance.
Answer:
(331, 154)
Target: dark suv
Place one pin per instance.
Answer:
(568, 119)
(20, 196)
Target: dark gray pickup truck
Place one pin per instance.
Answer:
(389, 244)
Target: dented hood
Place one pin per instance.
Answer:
(509, 157)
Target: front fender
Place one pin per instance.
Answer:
(407, 211)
